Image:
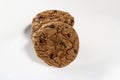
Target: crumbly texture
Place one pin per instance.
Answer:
(56, 43)
(51, 16)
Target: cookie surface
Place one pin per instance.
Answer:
(51, 15)
(56, 43)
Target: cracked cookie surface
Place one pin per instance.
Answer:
(51, 15)
(56, 43)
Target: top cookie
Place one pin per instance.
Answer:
(56, 43)
(51, 16)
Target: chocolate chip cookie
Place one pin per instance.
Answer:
(56, 43)
(51, 16)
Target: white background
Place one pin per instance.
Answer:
(97, 23)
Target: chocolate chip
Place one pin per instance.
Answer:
(72, 21)
(65, 21)
(68, 35)
(75, 50)
(41, 41)
(52, 56)
(42, 38)
(62, 43)
(40, 17)
(55, 11)
(52, 26)
(66, 27)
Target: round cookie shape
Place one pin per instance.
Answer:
(51, 16)
(56, 43)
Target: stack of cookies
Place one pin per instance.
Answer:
(55, 40)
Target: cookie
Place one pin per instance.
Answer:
(51, 16)
(56, 43)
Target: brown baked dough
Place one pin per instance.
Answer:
(56, 43)
(51, 15)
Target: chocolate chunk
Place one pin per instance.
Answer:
(52, 26)
(68, 35)
(52, 56)
(55, 11)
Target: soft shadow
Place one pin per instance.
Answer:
(90, 70)
(29, 47)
